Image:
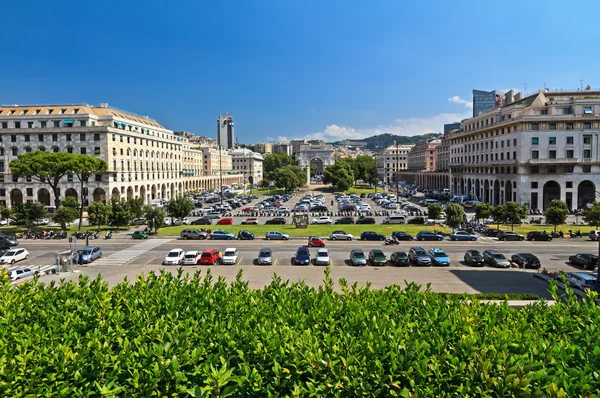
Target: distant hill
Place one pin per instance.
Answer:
(381, 141)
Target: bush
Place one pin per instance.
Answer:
(168, 335)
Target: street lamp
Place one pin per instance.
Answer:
(396, 175)
(590, 205)
(221, 174)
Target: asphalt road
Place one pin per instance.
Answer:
(456, 278)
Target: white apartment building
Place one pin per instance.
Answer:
(387, 160)
(249, 164)
(532, 150)
(144, 158)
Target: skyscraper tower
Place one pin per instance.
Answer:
(225, 126)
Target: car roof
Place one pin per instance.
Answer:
(586, 254)
(400, 253)
(436, 250)
(208, 251)
(265, 249)
(416, 248)
(526, 255)
(192, 252)
(473, 251)
(582, 275)
(376, 251)
(357, 250)
(230, 249)
(490, 251)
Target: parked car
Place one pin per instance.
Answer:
(399, 235)
(365, 220)
(20, 273)
(250, 221)
(302, 256)
(588, 261)
(377, 258)
(225, 221)
(357, 257)
(315, 241)
(428, 235)
(276, 235)
(345, 220)
(474, 258)
(139, 235)
(230, 256)
(42, 221)
(416, 220)
(322, 257)
(538, 235)
(89, 254)
(191, 258)
(193, 234)
(399, 259)
(509, 235)
(494, 258)
(10, 239)
(174, 257)
(526, 260)
(139, 221)
(579, 280)
(245, 235)
(462, 235)
(202, 221)
(265, 257)
(276, 221)
(340, 235)
(13, 256)
(322, 220)
(370, 235)
(210, 257)
(220, 234)
(594, 234)
(439, 257)
(418, 256)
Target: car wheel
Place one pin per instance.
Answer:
(12, 262)
(268, 238)
(185, 237)
(473, 239)
(410, 239)
(285, 238)
(504, 239)
(333, 238)
(26, 256)
(520, 239)
(349, 238)
(361, 238)
(439, 239)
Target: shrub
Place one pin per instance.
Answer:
(168, 335)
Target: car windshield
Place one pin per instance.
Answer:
(190, 255)
(499, 256)
(440, 254)
(173, 254)
(322, 253)
(85, 252)
(420, 252)
(10, 253)
(359, 254)
(206, 255)
(302, 252)
(401, 254)
(265, 254)
(230, 253)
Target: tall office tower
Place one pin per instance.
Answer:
(484, 100)
(225, 128)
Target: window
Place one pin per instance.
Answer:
(81, 137)
(57, 124)
(54, 137)
(30, 125)
(570, 154)
(27, 149)
(587, 125)
(69, 149)
(587, 153)
(17, 125)
(13, 138)
(587, 169)
(502, 144)
(114, 137)
(552, 154)
(535, 154)
(55, 149)
(587, 110)
(544, 112)
(121, 151)
(69, 177)
(535, 140)
(570, 169)
(569, 140)
(535, 170)
(535, 126)
(14, 151)
(83, 123)
(566, 111)
(4, 125)
(552, 170)
(97, 150)
(96, 137)
(98, 177)
(83, 151)
(552, 126)
(569, 126)
(40, 137)
(569, 184)
(121, 138)
(552, 141)
(29, 191)
(43, 124)
(534, 185)
(27, 138)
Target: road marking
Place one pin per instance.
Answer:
(275, 263)
(240, 261)
(130, 261)
(146, 263)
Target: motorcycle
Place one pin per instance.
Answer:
(391, 241)
(557, 234)
(108, 235)
(574, 234)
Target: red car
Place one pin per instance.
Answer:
(210, 257)
(225, 221)
(315, 241)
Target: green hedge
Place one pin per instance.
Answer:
(176, 335)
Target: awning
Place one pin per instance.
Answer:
(118, 123)
(68, 121)
(125, 124)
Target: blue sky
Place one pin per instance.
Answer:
(293, 69)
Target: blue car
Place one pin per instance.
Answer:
(462, 235)
(89, 254)
(221, 234)
(438, 257)
(427, 235)
(302, 256)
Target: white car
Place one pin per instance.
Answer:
(365, 208)
(191, 258)
(19, 273)
(322, 257)
(42, 221)
(175, 257)
(340, 235)
(230, 256)
(284, 209)
(4, 222)
(322, 220)
(12, 256)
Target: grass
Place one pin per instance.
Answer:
(312, 230)
(524, 228)
(12, 229)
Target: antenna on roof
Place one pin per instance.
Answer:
(525, 89)
(581, 84)
(224, 107)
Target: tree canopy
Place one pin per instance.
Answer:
(155, 217)
(99, 213)
(455, 215)
(179, 207)
(120, 214)
(593, 215)
(26, 214)
(290, 177)
(556, 213)
(340, 175)
(84, 166)
(65, 215)
(483, 211)
(434, 211)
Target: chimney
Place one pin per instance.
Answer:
(509, 97)
(518, 96)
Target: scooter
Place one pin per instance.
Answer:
(108, 235)
(573, 234)
(391, 241)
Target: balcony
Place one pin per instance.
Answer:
(558, 161)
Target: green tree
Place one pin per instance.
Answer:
(71, 202)
(28, 213)
(65, 215)
(46, 167)
(313, 170)
(483, 211)
(593, 215)
(340, 175)
(99, 213)
(556, 213)
(514, 213)
(5, 213)
(434, 211)
(499, 214)
(273, 163)
(455, 215)
(120, 213)
(155, 217)
(179, 207)
(136, 207)
(290, 177)
(375, 182)
(366, 167)
(85, 166)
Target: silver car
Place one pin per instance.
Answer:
(357, 257)
(322, 257)
(340, 235)
(265, 257)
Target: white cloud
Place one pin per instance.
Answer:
(458, 100)
(269, 139)
(281, 138)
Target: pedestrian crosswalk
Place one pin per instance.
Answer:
(124, 256)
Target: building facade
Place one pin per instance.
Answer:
(144, 158)
(484, 100)
(249, 164)
(422, 156)
(263, 147)
(225, 131)
(532, 150)
(392, 160)
(282, 147)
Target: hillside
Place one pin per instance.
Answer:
(384, 140)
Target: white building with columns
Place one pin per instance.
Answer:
(531, 150)
(249, 164)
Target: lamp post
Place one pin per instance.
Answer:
(221, 175)
(251, 175)
(597, 286)
(396, 175)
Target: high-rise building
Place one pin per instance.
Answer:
(225, 126)
(451, 126)
(484, 100)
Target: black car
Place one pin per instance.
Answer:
(365, 220)
(509, 235)
(345, 220)
(526, 260)
(474, 258)
(10, 239)
(318, 208)
(428, 235)
(276, 220)
(370, 235)
(588, 261)
(416, 220)
(399, 259)
(402, 235)
(202, 221)
(245, 235)
(538, 235)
